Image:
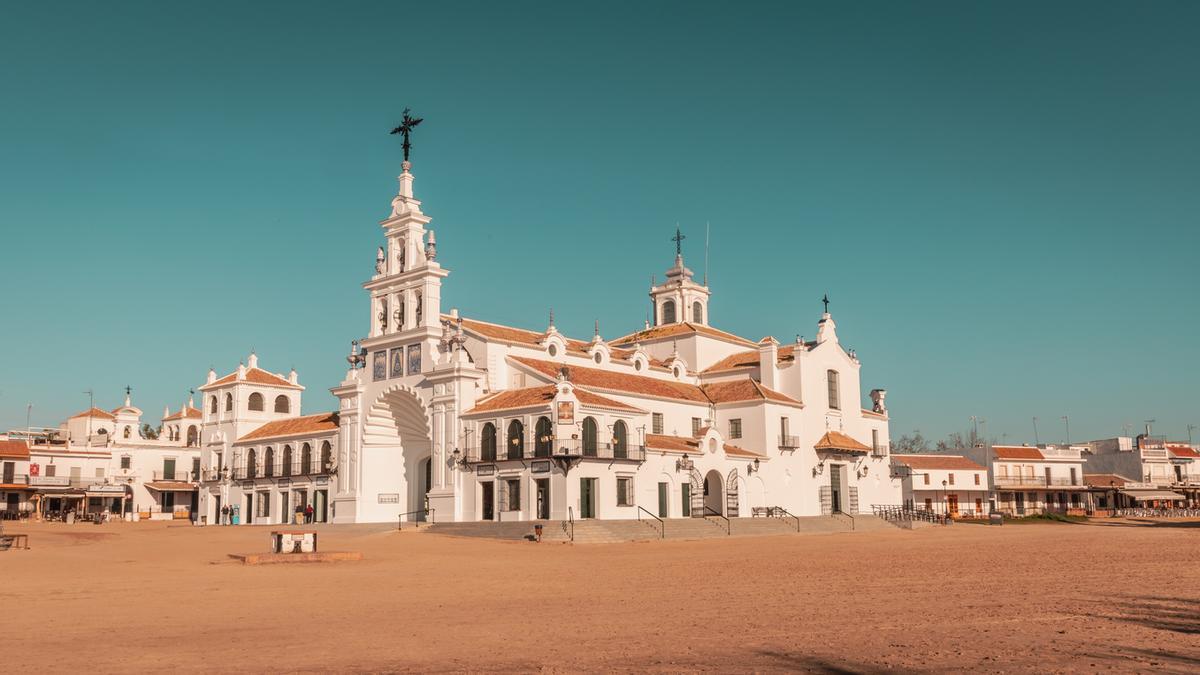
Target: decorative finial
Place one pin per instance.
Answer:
(128, 390)
(826, 301)
(407, 124)
(551, 320)
(597, 329)
(678, 239)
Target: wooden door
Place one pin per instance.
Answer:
(663, 503)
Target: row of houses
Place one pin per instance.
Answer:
(98, 461)
(1115, 473)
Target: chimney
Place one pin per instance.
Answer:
(768, 362)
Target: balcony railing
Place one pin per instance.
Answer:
(1035, 481)
(789, 442)
(299, 469)
(1154, 453)
(15, 479)
(572, 446)
(879, 450)
(185, 476)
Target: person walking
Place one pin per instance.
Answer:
(225, 515)
(308, 514)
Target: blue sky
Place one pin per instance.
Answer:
(999, 198)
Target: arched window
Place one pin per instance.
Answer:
(305, 459)
(620, 442)
(326, 456)
(228, 402)
(255, 402)
(543, 438)
(835, 399)
(287, 460)
(516, 439)
(269, 463)
(589, 437)
(487, 443)
(282, 404)
(127, 432)
(193, 436)
(212, 404)
(697, 312)
(668, 311)
(251, 463)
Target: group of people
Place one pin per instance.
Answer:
(305, 512)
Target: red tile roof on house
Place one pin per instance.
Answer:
(14, 449)
(1183, 451)
(295, 426)
(672, 444)
(542, 396)
(735, 451)
(189, 412)
(837, 441)
(254, 376)
(1105, 480)
(749, 359)
(626, 383)
(937, 462)
(745, 390)
(1016, 452)
(673, 330)
(95, 413)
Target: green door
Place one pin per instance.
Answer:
(687, 500)
(662, 500)
(587, 497)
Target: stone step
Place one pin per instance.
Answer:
(611, 531)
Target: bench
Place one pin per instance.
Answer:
(293, 541)
(766, 512)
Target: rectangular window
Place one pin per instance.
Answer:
(125, 462)
(875, 440)
(514, 494)
(168, 469)
(50, 470)
(951, 478)
(624, 491)
(977, 479)
(835, 402)
(656, 423)
(264, 505)
(735, 428)
(1073, 476)
(195, 468)
(696, 421)
(783, 428)
(927, 479)
(1048, 482)
(100, 472)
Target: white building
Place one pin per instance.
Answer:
(951, 485)
(482, 421)
(1030, 480)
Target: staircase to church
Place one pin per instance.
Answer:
(617, 531)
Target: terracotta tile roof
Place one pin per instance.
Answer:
(189, 412)
(254, 376)
(1016, 452)
(676, 329)
(294, 426)
(674, 444)
(542, 396)
(836, 440)
(1105, 479)
(633, 384)
(1183, 451)
(744, 390)
(95, 413)
(937, 462)
(750, 359)
(12, 449)
(735, 451)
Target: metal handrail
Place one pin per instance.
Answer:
(571, 522)
(662, 532)
(835, 514)
(780, 509)
(416, 523)
(708, 509)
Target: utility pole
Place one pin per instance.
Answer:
(1036, 440)
(1190, 428)
(974, 429)
(91, 404)
(1067, 421)
(29, 411)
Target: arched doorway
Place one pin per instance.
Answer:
(714, 493)
(396, 430)
(425, 482)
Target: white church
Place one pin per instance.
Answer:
(453, 418)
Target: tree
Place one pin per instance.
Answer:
(958, 441)
(149, 432)
(910, 444)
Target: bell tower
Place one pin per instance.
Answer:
(679, 298)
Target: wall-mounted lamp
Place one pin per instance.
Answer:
(752, 467)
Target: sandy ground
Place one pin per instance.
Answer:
(1047, 597)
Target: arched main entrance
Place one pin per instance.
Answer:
(714, 493)
(396, 436)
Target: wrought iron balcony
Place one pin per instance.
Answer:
(1035, 481)
(548, 449)
(789, 442)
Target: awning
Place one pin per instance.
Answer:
(171, 486)
(1151, 495)
(835, 441)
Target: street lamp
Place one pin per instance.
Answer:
(1112, 510)
(945, 506)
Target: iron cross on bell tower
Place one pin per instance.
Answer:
(678, 239)
(407, 124)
